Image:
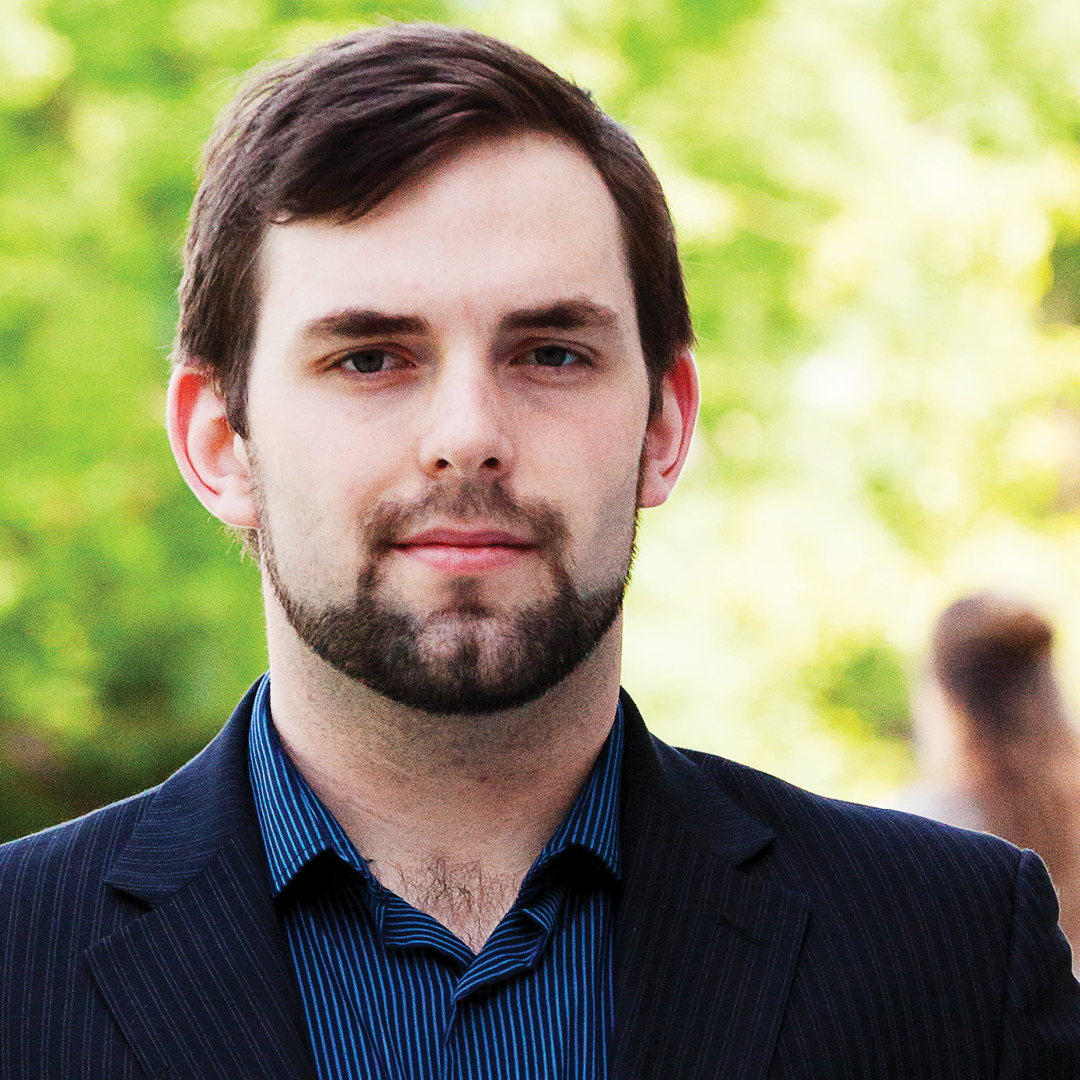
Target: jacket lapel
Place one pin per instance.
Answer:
(705, 951)
(202, 985)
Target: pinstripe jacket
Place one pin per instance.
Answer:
(763, 932)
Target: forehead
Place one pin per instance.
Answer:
(504, 222)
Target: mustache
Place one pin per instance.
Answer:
(488, 502)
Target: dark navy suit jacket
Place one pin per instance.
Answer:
(762, 932)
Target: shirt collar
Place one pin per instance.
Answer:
(592, 823)
(296, 826)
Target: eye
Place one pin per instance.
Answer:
(554, 356)
(368, 361)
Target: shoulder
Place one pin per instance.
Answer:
(181, 822)
(879, 844)
(55, 903)
(49, 866)
(896, 890)
(902, 905)
(884, 882)
(93, 835)
(837, 854)
(65, 889)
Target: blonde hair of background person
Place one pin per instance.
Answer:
(999, 751)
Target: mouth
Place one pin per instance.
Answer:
(466, 551)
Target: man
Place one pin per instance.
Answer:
(432, 359)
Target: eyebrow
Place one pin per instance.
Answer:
(563, 315)
(353, 323)
(359, 323)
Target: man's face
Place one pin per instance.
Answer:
(447, 407)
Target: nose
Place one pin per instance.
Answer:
(466, 434)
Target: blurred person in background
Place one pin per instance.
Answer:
(998, 751)
(433, 359)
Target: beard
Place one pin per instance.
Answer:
(465, 658)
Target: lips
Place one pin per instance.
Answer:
(466, 551)
(466, 538)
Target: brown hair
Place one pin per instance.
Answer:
(335, 131)
(993, 658)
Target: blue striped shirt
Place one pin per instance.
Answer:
(390, 993)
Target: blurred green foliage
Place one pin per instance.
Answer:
(864, 690)
(868, 197)
(128, 623)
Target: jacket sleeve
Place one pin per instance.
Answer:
(1041, 1037)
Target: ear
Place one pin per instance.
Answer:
(211, 456)
(667, 437)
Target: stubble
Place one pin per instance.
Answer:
(464, 658)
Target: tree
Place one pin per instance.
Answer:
(873, 202)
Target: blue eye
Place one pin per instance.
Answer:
(554, 356)
(366, 361)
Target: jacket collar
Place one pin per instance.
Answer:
(705, 949)
(203, 986)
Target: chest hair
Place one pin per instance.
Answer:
(466, 899)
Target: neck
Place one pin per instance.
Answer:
(451, 811)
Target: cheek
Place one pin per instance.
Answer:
(309, 512)
(601, 506)
(323, 467)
